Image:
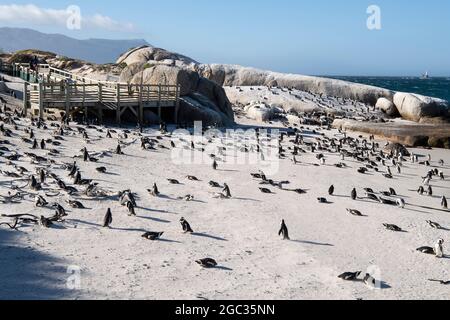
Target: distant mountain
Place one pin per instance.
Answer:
(92, 50)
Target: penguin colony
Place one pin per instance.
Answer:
(31, 176)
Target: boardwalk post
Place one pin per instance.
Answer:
(159, 102)
(100, 100)
(141, 106)
(118, 104)
(41, 100)
(177, 103)
(25, 99)
(67, 93)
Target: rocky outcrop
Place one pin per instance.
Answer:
(232, 75)
(151, 55)
(262, 112)
(408, 133)
(166, 75)
(387, 106)
(419, 108)
(202, 99)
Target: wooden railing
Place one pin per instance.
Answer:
(85, 92)
(48, 87)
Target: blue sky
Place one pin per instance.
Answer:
(310, 37)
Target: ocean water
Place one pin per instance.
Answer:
(433, 87)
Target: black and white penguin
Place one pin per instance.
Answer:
(119, 149)
(101, 169)
(226, 190)
(322, 200)
(421, 190)
(207, 263)
(130, 208)
(369, 280)
(392, 227)
(154, 191)
(215, 165)
(173, 181)
(401, 203)
(350, 276)
(42, 144)
(438, 250)
(42, 175)
(355, 212)
(434, 225)
(59, 210)
(85, 155)
(331, 190)
(444, 203)
(39, 201)
(152, 235)
(76, 204)
(108, 219)
(354, 194)
(265, 190)
(214, 184)
(284, 231)
(186, 226)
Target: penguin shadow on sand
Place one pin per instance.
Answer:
(424, 207)
(166, 197)
(91, 224)
(155, 210)
(205, 235)
(380, 285)
(154, 219)
(110, 174)
(245, 199)
(313, 243)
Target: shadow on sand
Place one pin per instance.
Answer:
(204, 235)
(28, 274)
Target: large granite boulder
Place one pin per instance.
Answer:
(387, 106)
(197, 107)
(147, 54)
(166, 75)
(233, 75)
(419, 108)
(202, 99)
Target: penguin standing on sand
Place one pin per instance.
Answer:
(154, 191)
(439, 248)
(108, 219)
(85, 155)
(186, 226)
(354, 194)
(226, 191)
(444, 203)
(284, 231)
(119, 149)
(42, 175)
(215, 165)
(331, 190)
(130, 208)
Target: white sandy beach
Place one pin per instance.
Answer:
(240, 233)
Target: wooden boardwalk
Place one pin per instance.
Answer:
(48, 89)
